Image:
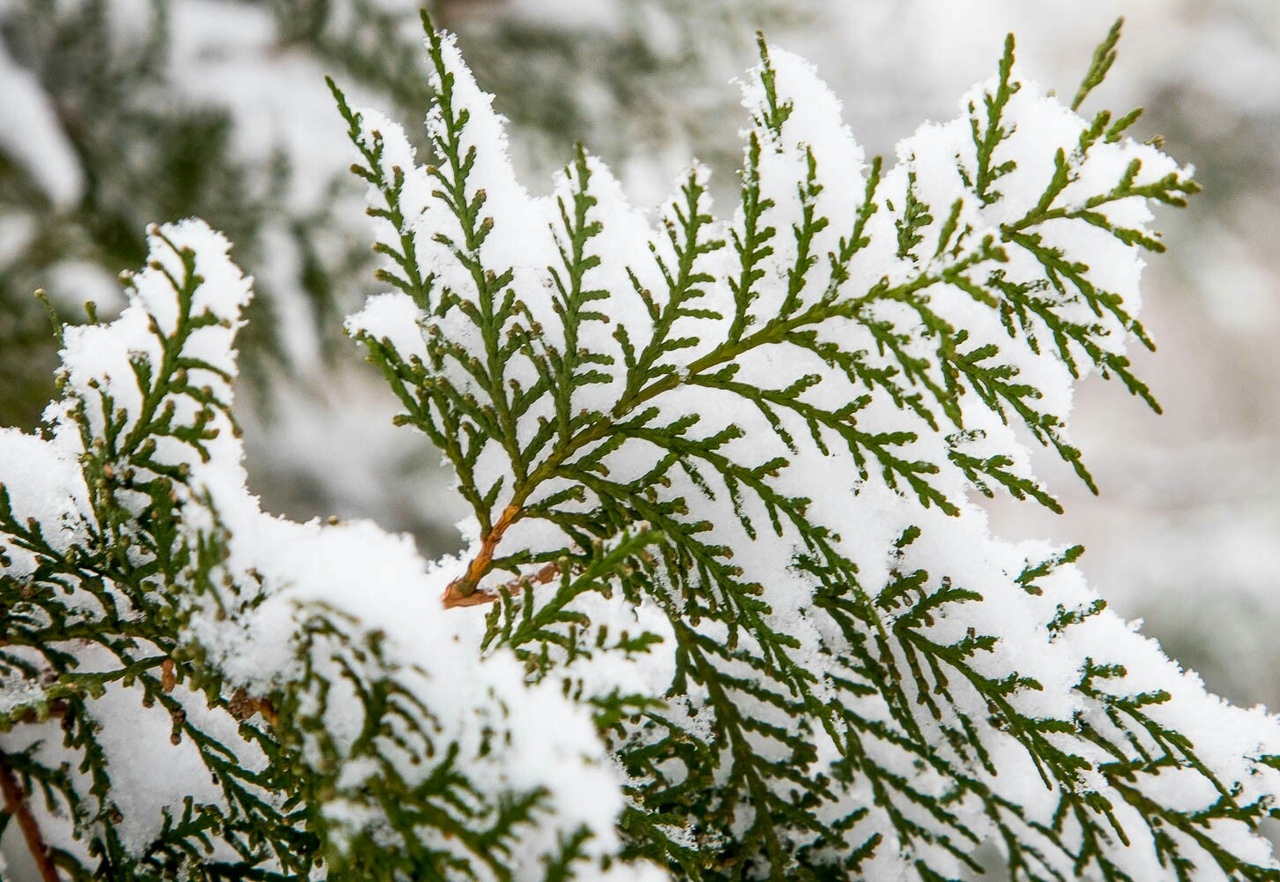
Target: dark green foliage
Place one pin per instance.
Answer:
(133, 569)
(721, 788)
(102, 609)
(742, 449)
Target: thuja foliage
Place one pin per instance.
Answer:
(729, 609)
(110, 121)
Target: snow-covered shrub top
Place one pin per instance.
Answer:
(729, 609)
(290, 691)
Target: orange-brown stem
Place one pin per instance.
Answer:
(462, 591)
(15, 805)
(476, 598)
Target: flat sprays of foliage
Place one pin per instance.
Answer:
(729, 608)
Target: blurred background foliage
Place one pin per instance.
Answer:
(116, 113)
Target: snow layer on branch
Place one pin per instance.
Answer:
(312, 611)
(725, 464)
(819, 386)
(40, 482)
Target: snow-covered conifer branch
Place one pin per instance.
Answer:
(193, 687)
(783, 399)
(729, 609)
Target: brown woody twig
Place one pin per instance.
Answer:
(15, 805)
(476, 598)
(463, 591)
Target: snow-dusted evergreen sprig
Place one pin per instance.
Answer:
(190, 688)
(89, 599)
(746, 621)
(759, 438)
